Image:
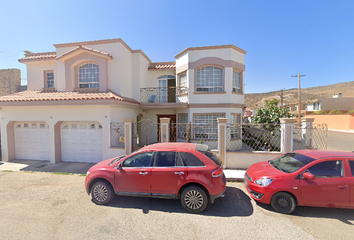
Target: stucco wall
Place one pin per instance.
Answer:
(328, 104)
(243, 160)
(10, 80)
(35, 74)
(334, 121)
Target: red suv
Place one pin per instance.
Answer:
(186, 171)
(318, 178)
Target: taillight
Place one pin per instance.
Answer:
(217, 172)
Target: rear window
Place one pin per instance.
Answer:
(351, 163)
(189, 160)
(214, 157)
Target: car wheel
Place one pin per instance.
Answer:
(194, 199)
(283, 202)
(102, 193)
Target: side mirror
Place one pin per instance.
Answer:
(119, 167)
(308, 176)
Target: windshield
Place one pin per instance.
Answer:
(116, 160)
(291, 162)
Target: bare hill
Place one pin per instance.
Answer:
(254, 100)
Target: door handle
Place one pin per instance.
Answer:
(143, 173)
(179, 173)
(342, 187)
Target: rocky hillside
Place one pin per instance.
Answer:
(254, 100)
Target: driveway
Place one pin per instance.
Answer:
(50, 206)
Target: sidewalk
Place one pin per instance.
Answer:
(80, 168)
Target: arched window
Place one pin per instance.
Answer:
(209, 79)
(89, 76)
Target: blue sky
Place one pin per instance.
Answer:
(282, 38)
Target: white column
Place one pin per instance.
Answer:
(287, 138)
(307, 127)
(222, 140)
(128, 135)
(164, 129)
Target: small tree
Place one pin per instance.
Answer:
(271, 114)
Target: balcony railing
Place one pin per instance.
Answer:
(164, 95)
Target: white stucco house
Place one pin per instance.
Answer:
(76, 92)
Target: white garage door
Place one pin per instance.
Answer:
(81, 142)
(32, 140)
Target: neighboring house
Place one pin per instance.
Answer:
(328, 104)
(76, 92)
(10, 81)
(293, 108)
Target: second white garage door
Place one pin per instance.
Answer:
(81, 142)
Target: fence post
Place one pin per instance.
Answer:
(287, 138)
(189, 133)
(307, 127)
(222, 139)
(128, 134)
(164, 129)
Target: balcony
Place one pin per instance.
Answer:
(159, 97)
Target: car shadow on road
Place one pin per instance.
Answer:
(235, 203)
(341, 214)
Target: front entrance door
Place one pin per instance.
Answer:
(172, 126)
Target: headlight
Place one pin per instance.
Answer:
(264, 181)
(88, 173)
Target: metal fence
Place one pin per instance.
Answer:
(164, 95)
(117, 135)
(195, 133)
(145, 132)
(257, 137)
(310, 137)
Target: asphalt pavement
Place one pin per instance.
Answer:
(340, 141)
(37, 205)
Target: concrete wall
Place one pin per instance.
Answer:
(10, 80)
(243, 160)
(334, 121)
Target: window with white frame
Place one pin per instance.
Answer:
(183, 83)
(209, 79)
(206, 126)
(182, 126)
(49, 79)
(89, 76)
(236, 82)
(235, 125)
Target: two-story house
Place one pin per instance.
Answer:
(77, 91)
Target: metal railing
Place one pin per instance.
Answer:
(195, 133)
(310, 137)
(117, 134)
(164, 95)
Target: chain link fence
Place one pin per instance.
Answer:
(117, 134)
(310, 137)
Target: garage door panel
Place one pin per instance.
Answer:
(81, 142)
(31, 141)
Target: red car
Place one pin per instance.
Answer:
(319, 178)
(186, 171)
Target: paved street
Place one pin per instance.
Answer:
(340, 141)
(49, 206)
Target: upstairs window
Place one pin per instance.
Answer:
(209, 79)
(236, 82)
(183, 83)
(89, 76)
(49, 79)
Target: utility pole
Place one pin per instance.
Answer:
(299, 96)
(281, 98)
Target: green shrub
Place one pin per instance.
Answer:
(351, 111)
(335, 112)
(319, 112)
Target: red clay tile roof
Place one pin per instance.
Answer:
(84, 48)
(38, 56)
(42, 95)
(162, 65)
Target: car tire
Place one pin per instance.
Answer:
(102, 193)
(283, 202)
(194, 199)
